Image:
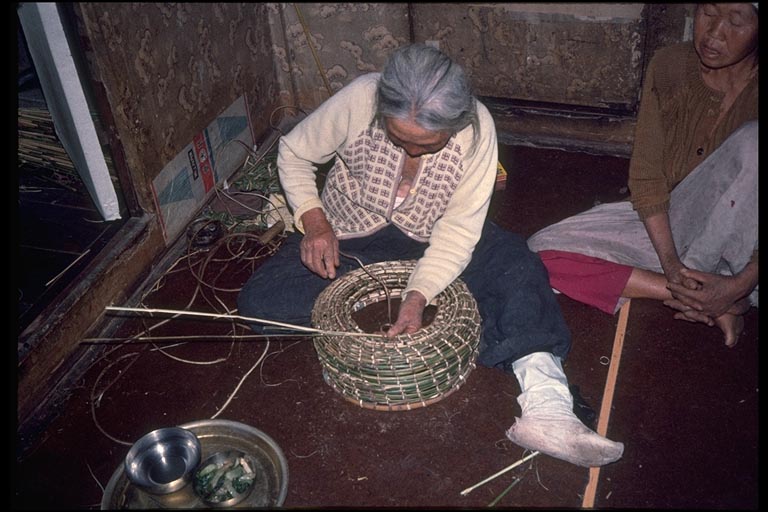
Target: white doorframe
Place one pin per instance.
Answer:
(65, 97)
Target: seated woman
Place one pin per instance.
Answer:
(688, 235)
(415, 157)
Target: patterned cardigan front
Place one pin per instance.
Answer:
(359, 192)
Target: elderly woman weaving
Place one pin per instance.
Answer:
(415, 166)
(689, 234)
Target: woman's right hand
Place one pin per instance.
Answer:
(674, 273)
(319, 247)
(409, 317)
(660, 233)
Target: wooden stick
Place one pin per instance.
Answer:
(245, 319)
(605, 407)
(496, 475)
(272, 232)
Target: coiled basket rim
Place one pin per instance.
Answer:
(405, 372)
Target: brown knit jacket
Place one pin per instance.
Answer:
(674, 127)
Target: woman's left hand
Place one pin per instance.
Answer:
(715, 295)
(409, 316)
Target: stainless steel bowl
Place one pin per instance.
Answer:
(164, 460)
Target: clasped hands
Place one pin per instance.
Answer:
(701, 296)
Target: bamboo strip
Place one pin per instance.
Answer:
(175, 339)
(496, 475)
(68, 267)
(605, 408)
(245, 319)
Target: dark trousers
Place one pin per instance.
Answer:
(509, 282)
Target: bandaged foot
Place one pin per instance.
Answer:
(547, 423)
(566, 439)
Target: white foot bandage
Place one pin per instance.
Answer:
(547, 423)
(567, 439)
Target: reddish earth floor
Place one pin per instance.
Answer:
(685, 406)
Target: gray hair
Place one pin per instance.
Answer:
(423, 83)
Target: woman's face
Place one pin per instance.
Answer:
(725, 34)
(413, 139)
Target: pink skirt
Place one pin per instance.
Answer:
(590, 280)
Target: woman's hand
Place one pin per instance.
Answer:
(660, 233)
(319, 247)
(714, 296)
(409, 316)
(675, 272)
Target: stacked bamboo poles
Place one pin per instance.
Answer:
(407, 371)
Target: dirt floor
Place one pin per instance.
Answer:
(684, 405)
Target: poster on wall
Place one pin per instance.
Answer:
(186, 182)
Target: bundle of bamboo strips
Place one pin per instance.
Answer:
(38, 141)
(39, 146)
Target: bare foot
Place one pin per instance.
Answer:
(732, 326)
(731, 322)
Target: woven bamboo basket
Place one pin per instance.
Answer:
(408, 371)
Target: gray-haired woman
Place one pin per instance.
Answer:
(414, 170)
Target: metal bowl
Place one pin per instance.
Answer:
(222, 463)
(271, 467)
(164, 460)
